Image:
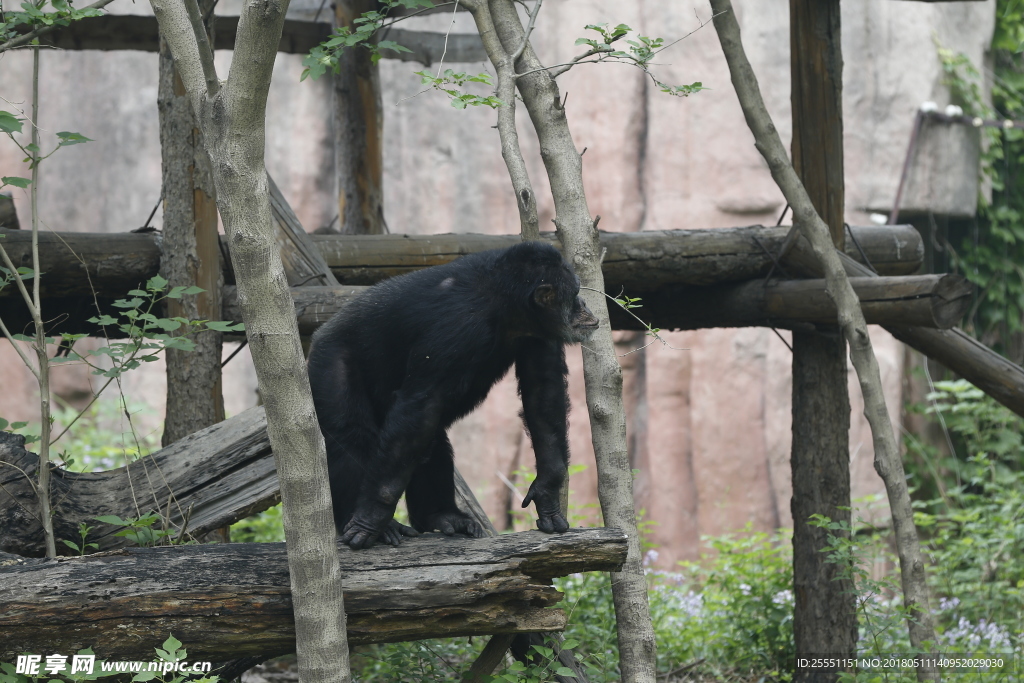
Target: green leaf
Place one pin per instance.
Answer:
(156, 284)
(68, 138)
(193, 290)
(224, 326)
(9, 123)
(392, 45)
(172, 644)
(3, 424)
(72, 545)
(16, 181)
(112, 519)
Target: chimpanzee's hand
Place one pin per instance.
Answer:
(372, 522)
(549, 514)
(451, 523)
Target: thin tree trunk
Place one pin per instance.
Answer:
(824, 609)
(232, 118)
(578, 234)
(851, 321)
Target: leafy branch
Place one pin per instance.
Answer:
(627, 303)
(460, 99)
(327, 54)
(641, 53)
(43, 22)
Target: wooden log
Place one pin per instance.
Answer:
(937, 301)
(224, 601)
(203, 482)
(933, 301)
(140, 32)
(638, 261)
(113, 263)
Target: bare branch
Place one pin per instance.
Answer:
(526, 199)
(176, 29)
(195, 17)
(529, 29)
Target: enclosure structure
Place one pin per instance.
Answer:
(752, 306)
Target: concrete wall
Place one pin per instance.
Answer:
(709, 422)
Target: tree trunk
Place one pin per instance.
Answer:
(824, 608)
(232, 117)
(190, 255)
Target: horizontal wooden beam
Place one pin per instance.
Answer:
(109, 264)
(225, 601)
(634, 260)
(140, 32)
(937, 301)
(932, 301)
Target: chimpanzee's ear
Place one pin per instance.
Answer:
(545, 295)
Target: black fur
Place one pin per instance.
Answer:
(393, 370)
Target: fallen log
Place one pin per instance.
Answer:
(937, 301)
(224, 601)
(109, 264)
(203, 482)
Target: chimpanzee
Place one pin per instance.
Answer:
(410, 356)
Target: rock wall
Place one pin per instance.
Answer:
(709, 426)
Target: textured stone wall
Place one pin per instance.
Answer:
(709, 426)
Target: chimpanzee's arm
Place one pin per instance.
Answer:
(541, 370)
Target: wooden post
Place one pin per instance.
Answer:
(825, 619)
(190, 256)
(359, 123)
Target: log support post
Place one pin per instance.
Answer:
(824, 611)
(190, 256)
(359, 124)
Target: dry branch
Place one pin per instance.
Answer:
(851, 321)
(224, 601)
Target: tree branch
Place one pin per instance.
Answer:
(526, 199)
(851, 320)
(176, 28)
(259, 32)
(195, 17)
